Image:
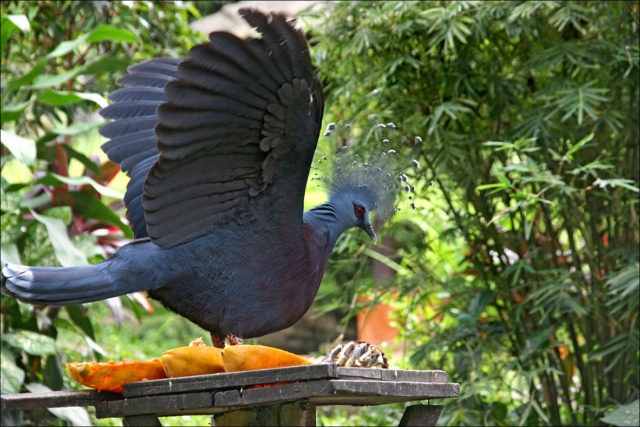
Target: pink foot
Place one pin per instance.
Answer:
(217, 341)
(234, 339)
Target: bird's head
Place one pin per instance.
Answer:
(354, 207)
(361, 189)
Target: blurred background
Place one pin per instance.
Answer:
(512, 264)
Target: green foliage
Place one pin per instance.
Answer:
(517, 271)
(58, 61)
(520, 276)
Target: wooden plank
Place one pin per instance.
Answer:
(334, 392)
(223, 381)
(418, 391)
(432, 376)
(360, 400)
(177, 404)
(215, 382)
(213, 394)
(316, 392)
(56, 399)
(273, 394)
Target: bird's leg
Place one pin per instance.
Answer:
(217, 341)
(234, 339)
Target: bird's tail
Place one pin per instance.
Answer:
(59, 285)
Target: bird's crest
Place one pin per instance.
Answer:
(375, 180)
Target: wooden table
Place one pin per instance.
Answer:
(285, 396)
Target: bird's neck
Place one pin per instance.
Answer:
(324, 219)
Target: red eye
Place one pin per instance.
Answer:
(359, 211)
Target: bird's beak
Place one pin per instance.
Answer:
(369, 229)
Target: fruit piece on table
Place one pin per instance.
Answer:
(111, 376)
(192, 360)
(250, 357)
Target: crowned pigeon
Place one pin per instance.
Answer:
(218, 147)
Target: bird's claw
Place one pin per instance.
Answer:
(234, 339)
(358, 355)
(219, 342)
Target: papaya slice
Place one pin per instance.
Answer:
(192, 360)
(246, 357)
(111, 376)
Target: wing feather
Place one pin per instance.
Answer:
(200, 136)
(242, 116)
(133, 143)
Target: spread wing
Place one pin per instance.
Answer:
(132, 137)
(241, 121)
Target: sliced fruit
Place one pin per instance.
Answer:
(250, 357)
(192, 360)
(111, 376)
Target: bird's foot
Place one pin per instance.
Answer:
(234, 339)
(217, 341)
(231, 338)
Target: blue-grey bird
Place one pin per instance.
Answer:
(218, 147)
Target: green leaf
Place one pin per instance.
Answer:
(76, 415)
(624, 415)
(107, 65)
(100, 33)
(23, 149)
(58, 98)
(110, 33)
(67, 254)
(36, 202)
(31, 342)
(63, 213)
(577, 146)
(55, 179)
(26, 79)
(616, 182)
(86, 161)
(11, 24)
(9, 254)
(49, 80)
(52, 375)
(387, 261)
(494, 185)
(12, 376)
(76, 128)
(67, 46)
(19, 21)
(91, 207)
(615, 345)
(81, 319)
(12, 112)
